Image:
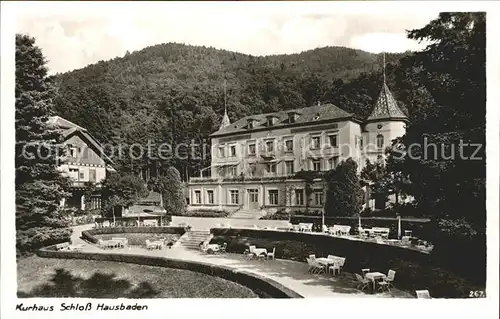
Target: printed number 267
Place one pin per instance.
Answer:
(477, 294)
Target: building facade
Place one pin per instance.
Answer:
(255, 161)
(85, 162)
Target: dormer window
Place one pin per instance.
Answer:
(316, 117)
(271, 120)
(251, 123)
(292, 117)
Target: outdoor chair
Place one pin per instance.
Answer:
(390, 277)
(314, 266)
(223, 248)
(333, 269)
(423, 294)
(363, 283)
(106, 223)
(340, 262)
(383, 286)
(152, 245)
(271, 255)
(250, 253)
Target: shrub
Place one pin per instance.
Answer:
(33, 239)
(281, 214)
(216, 213)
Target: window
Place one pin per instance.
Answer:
(232, 171)
(250, 123)
(73, 173)
(380, 141)
(197, 197)
(332, 139)
(252, 169)
(273, 197)
(71, 150)
(289, 167)
(315, 142)
(233, 150)
(359, 142)
(291, 117)
(332, 162)
(251, 149)
(92, 175)
(235, 197)
(82, 174)
(271, 120)
(270, 146)
(289, 146)
(318, 197)
(299, 197)
(210, 196)
(316, 165)
(271, 168)
(221, 151)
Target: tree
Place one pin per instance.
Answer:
(174, 196)
(120, 192)
(40, 221)
(160, 185)
(374, 176)
(446, 182)
(344, 195)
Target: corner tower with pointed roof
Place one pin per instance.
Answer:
(225, 119)
(386, 122)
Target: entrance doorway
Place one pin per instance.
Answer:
(253, 198)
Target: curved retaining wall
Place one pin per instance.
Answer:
(414, 269)
(88, 235)
(262, 286)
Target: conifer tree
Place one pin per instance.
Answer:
(40, 187)
(174, 197)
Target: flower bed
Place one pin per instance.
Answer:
(90, 235)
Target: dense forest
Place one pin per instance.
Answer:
(173, 93)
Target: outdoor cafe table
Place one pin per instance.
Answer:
(374, 276)
(214, 247)
(325, 261)
(259, 251)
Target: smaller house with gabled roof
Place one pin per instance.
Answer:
(85, 162)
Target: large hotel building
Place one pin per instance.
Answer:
(255, 159)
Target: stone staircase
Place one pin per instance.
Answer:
(193, 238)
(248, 214)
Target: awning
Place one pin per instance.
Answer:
(226, 165)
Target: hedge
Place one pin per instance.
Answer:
(205, 213)
(262, 286)
(414, 269)
(88, 235)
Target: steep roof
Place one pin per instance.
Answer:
(225, 121)
(306, 115)
(386, 107)
(68, 128)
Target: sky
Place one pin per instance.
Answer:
(73, 35)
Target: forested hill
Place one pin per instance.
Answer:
(174, 92)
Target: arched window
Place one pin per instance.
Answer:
(380, 141)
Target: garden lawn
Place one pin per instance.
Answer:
(50, 277)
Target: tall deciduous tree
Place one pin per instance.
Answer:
(344, 194)
(446, 169)
(39, 186)
(121, 191)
